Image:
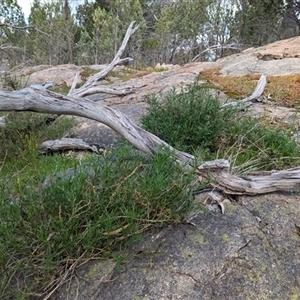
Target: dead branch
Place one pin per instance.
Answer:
(44, 101)
(256, 94)
(39, 99)
(216, 47)
(23, 28)
(17, 27)
(5, 47)
(91, 82)
(118, 91)
(265, 183)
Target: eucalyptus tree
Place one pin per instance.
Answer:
(261, 22)
(103, 25)
(54, 39)
(11, 34)
(178, 28)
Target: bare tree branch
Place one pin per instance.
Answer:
(17, 27)
(5, 47)
(216, 47)
(43, 101)
(256, 94)
(91, 82)
(38, 99)
(23, 28)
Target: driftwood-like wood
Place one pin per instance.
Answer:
(263, 183)
(90, 86)
(39, 99)
(36, 100)
(68, 144)
(255, 95)
(44, 101)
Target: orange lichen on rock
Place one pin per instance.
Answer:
(283, 90)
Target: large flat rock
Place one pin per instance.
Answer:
(250, 252)
(278, 58)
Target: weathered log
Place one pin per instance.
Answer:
(118, 91)
(91, 86)
(263, 183)
(36, 100)
(68, 144)
(39, 99)
(31, 99)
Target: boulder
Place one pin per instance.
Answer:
(63, 74)
(278, 58)
(250, 252)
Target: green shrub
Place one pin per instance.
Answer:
(195, 122)
(96, 211)
(14, 82)
(190, 120)
(22, 134)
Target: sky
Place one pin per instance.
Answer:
(25, 4)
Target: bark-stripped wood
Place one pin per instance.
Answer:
(255, 95)
(39, 99)
(36, 100)
(68, 144)
(31, 99)
(263, 183)
(92, 81)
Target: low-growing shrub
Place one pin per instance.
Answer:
(196, 122)
(96, 211)
(189, 120)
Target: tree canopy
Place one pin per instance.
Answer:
(60, 31)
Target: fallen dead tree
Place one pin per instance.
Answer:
(39, 99)
(44, 101)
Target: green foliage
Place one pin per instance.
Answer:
(104, 25)
(259, 23)
(22, 134)
(105, 204)
(53, 43)
(11, 12)
(14, 82)
(190, 120)
(195, 122)
(11, 39)
(96, 211)
(248, 142)
(169, 31)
